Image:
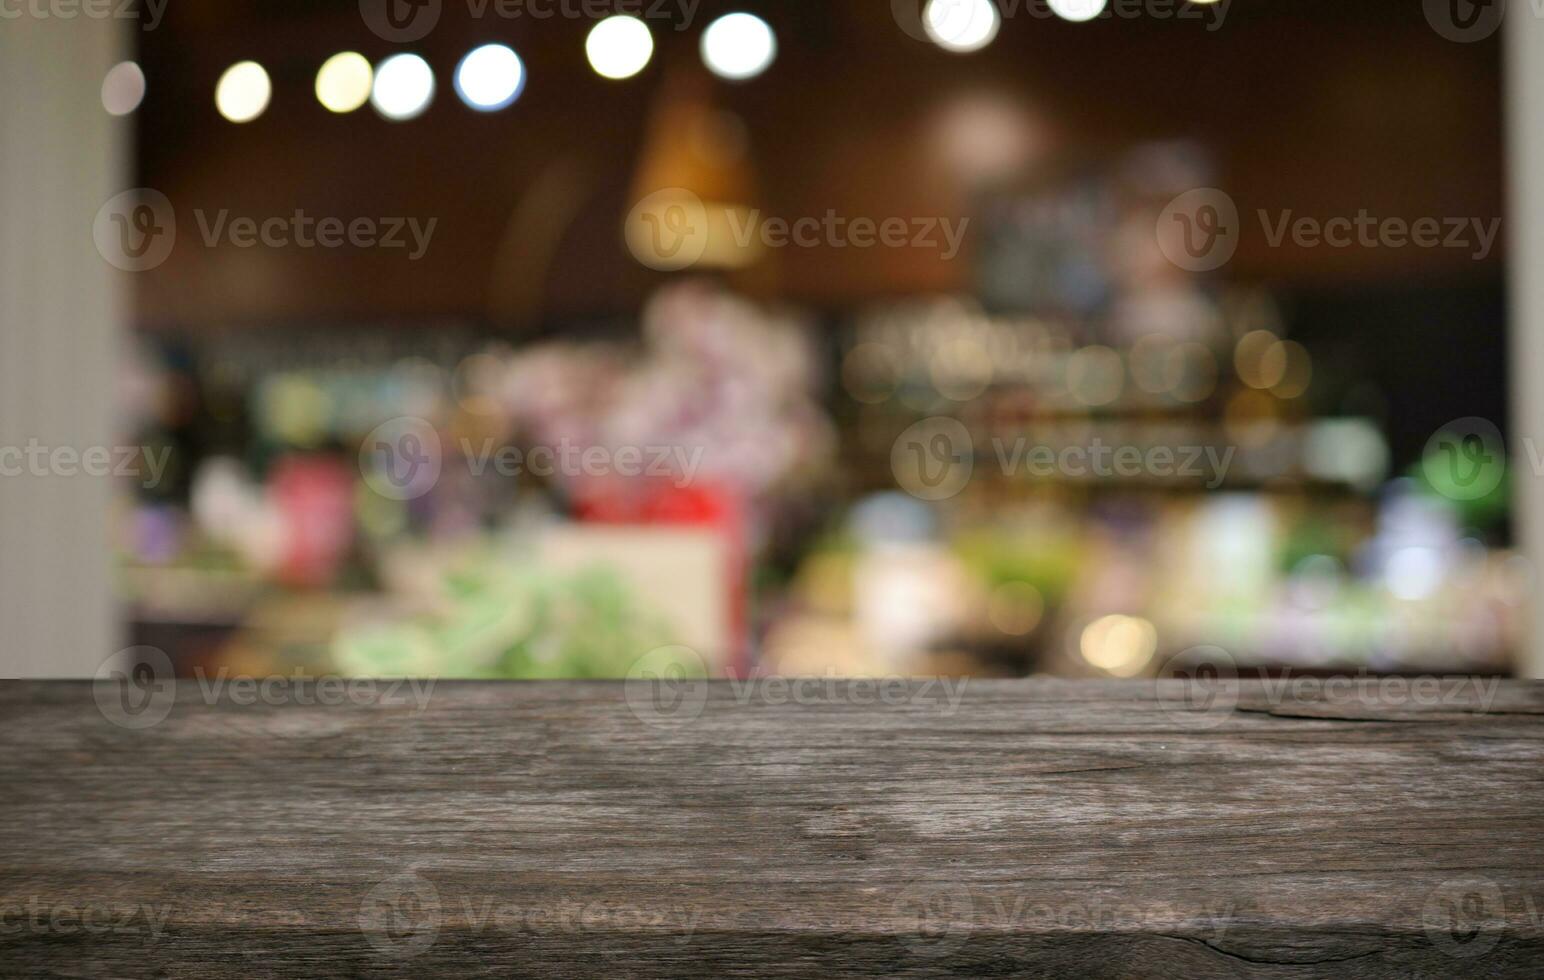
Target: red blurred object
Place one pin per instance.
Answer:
(315, 497)
(659, 501)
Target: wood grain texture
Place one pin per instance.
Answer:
(1028, 828)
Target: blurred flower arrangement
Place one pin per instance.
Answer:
(488, 615)
(284, 502)
(715, 372)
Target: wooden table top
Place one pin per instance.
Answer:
(981, 828)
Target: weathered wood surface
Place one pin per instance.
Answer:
(1034, 828)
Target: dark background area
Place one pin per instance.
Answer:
(1367, 108)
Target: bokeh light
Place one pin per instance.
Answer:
(619, 47)
(1296, 369)
(1119, 645)
(960, 369)
(1249, 359)
(1095, 375)
(1150, 357)
(1077, 11)
(490, 77)
(343, 82)
(961, 26)
(870, 373)
(123, 88)
(1015, 608)
(242, 93)
(1192, 372)
(404, 87)
(1251, 418)
(1414, 572)
(738, 46)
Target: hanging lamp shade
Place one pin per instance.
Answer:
(691, 201)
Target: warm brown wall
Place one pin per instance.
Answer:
(1320, 106)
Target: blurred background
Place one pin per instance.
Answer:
(973, 337)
